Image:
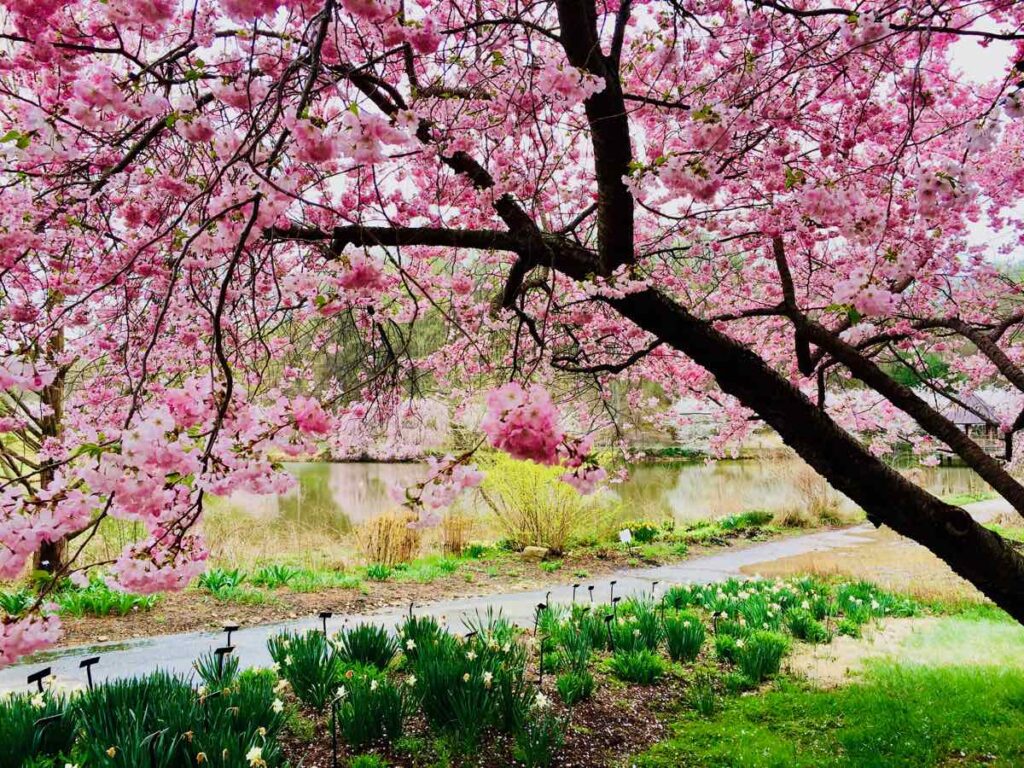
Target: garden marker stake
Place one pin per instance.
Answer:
(590, 589)
(654, 588)
(536, 617)
(324, 616)
(615, 606)
(229, 628)
(612, 594)
(608, 626)
(714, 621)
(38, 677)
(87, 664)
(334, 730)
(574, 588)
(220, 653)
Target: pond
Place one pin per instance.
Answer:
(335, 496)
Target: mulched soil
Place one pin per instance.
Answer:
(197, 610)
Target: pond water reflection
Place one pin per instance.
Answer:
(334, 497)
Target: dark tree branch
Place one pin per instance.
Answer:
(563, 363)
(609, 133)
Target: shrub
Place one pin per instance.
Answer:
(125, 714)
(513, 694)
(817, 498)
(645, 623)
(388, 540)
(452, 690)
(275, 576)
(575, 686)
(848, 628)
(725, 648)
(19, 736)
(456, 528)
(216, 674)
(216, 580)
(474, 551)
(98, 599)
(684, 636)
(575, 648)
(533, 507)
(371, 709)
(592, 624)
(681, 596)
(378, 572)
(417, 633)
(760, 654)
(643, 531)
(310, 665)
(755, 518)
(803, 626)
(367, 644)
(638, 666)
(862, 598)
(757, 613)
(13, 603)
(538, 740)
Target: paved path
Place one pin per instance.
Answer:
(177, 652)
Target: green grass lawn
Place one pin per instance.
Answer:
(898, 716)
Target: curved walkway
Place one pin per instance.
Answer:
(177, 652)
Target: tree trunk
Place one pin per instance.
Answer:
(974, 552)
(52, 554)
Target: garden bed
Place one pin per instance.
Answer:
(587, 687)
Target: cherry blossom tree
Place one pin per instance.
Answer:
(231, 229)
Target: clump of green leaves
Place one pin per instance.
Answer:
(310, 664)
(759, 656)
(641, 666)
(367, 644)
(575, 686)
(370, 709)
(684, 636)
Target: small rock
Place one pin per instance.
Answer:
(534, 554)
(102, 639)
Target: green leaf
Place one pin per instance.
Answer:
(705, 115)
(794, 177)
